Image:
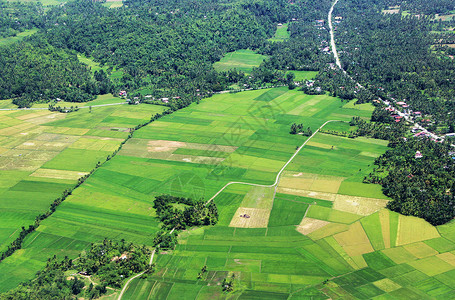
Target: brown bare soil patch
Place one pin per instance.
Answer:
(308, 225)
(258, 218)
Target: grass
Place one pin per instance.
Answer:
(303, 75)
(241, 60)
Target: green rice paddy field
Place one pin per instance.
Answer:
(322, 223)
(281, 33)
(242, 60)
(42, 153)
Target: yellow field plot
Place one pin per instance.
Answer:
(326, 185)
(58, 174)
(359, 261)
(309, 225)
(385, 226)
(67, 130)
(246, 217)
(47, 118)
(259, 197)
(413, 229)
(335, 246)
(399, 255)
(52, 137)
(320, 145)
(31, 145)
(3, 150)
(163, 146)
(17, 129)
(420, 250)
(358, 205)
(96, 143)
(328, 230)
(387, 285)
(296, 183)
(447, 257)
(35, 114)
(431, 266)
(306, 193)
(190, 158)
(313, 182)
(354, 241)
(211, 147)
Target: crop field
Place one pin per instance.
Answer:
(321, 223)
(242, 60)
(303, 75)
(42, 153)
(281, 33)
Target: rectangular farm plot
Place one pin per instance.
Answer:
(58, 174)
(97, 144)
(177, 151)
(354, 241)
(77, 160)
(413, 229)
(358, 205)
(309, 225)
(287, 212)
(246, 217)
(259, 197)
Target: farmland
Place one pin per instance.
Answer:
(242, 60)
(281, 33)
(42, 153)
(320, 223)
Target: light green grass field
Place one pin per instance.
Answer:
(303, 75)
(242, 60)
(281, 33)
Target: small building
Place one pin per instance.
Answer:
(401, 103)
(418, 155)
(122, 93)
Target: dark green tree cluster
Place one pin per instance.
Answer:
(104, 260)
(195, 213)
(15, 17)
(419, 186)
(40, 73)
(298, 128)
(112, 261)
(174, 219)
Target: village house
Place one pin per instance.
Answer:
(418, 155)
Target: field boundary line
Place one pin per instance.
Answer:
(278, 176)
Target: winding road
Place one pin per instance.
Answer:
(134, 277)
(277, 179)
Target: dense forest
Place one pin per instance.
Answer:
(166, 47)
(419, 175)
